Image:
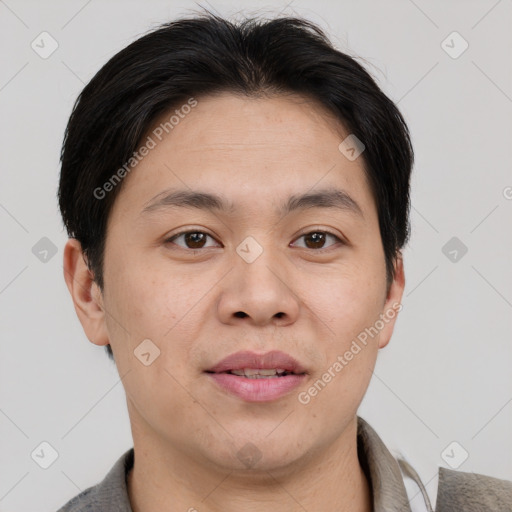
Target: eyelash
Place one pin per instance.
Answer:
(181, 233)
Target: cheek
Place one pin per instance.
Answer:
(349, 306)
(150, 302)
(146, 298)
(352, 299)
(144, 304)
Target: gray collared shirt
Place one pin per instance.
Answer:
(457, 491)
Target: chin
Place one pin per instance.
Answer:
(267, 451)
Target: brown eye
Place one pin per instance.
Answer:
(192, 239)
(317, 239)
(195, 240)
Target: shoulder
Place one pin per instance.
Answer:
(458, 490)
(84, 502)
(110, 495)
(98, 498)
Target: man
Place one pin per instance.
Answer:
(237, 198)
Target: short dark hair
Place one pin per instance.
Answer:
(206, 54)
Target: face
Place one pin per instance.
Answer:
(257, 268)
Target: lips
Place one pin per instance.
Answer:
(274, 360)
(258, 378)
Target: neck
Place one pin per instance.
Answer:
(165, 478)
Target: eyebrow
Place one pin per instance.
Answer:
(326, 198)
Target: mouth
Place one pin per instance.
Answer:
(249, 364)
(259, 373)
(258, 377)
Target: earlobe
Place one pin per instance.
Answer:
(86, 295)
(392, 305)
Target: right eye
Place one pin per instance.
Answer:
(191, 239)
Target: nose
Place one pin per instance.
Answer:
(259, 293)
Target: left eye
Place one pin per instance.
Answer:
(192, 239)
(316, 239)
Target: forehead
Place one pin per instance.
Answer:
(246, 148)
(227, 118)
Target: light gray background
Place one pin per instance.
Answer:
(445, 375)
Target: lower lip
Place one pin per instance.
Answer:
(257, 390)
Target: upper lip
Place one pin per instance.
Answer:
(246, 359)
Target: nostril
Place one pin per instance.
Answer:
(279, 315)
(240, 314)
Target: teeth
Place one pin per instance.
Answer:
(258, 373)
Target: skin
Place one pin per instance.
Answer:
(187, 431)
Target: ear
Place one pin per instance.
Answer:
(392, 304)
(86, 294)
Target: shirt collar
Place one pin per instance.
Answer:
(381, 469)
